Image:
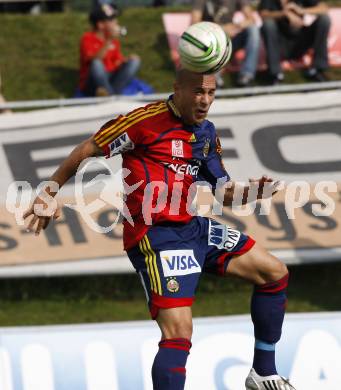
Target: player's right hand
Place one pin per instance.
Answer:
(42, 210)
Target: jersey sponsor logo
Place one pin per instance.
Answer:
(177, 148)
(222, 236)
(179, 262)
(187, 169)
(121, 144)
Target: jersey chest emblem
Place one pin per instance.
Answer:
(177, 148)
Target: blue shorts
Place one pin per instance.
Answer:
(170, 259)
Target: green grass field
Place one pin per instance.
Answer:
(39, 54)
(121, 297)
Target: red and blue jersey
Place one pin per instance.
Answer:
(167, 157)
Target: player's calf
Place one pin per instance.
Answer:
(270, 277)
(169, 367)
(268, 305)
(175, 322)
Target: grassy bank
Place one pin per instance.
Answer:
(39, 54)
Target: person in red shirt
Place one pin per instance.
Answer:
(103, 68)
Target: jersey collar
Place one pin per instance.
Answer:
(172, 108)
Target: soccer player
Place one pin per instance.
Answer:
(168, 146)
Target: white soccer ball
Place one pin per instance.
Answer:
(204, 48)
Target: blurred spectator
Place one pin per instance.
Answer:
(288, 34)
(103, 68)
(244, 34)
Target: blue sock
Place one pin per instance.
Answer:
(169, 367)
(264, 358)
(267, 311)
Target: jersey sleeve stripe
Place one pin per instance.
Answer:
(124, 126)
(135, 112)
(120, 119)
(125, 119)
(120, 129)
(111, 124)
(105, 133)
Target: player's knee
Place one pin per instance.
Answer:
(276, 271)
(283, 269)
(275, 282)
(266, 268)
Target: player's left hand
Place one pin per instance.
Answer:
(267, 187)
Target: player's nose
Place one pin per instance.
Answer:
(205, 99)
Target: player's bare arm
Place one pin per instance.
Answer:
(69, 166)
(265, 186)
(66, 170)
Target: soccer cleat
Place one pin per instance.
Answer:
(271, 382)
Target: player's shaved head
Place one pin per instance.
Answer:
(194, 94)
(185, 77)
